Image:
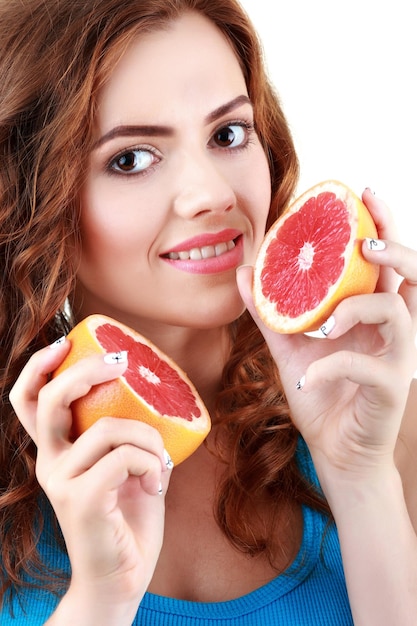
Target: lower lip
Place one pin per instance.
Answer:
(225, 262)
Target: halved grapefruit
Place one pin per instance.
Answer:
(311, 259)
(153, 389)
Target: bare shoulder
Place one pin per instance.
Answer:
(406, 452)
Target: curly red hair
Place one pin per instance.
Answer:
(54, 56)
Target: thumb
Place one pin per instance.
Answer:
(244, 279)
(281, 346)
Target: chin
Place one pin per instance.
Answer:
(218, 315)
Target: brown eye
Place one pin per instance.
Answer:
(127, 162)
(231, 136)
(133, 161)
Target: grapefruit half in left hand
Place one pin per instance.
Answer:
(311, 259)
(153, 389)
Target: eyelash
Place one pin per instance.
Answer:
(248, 127)
(110, 167)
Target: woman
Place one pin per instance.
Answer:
(126, 141)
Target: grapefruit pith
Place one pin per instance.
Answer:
(311, 259)
(153, 388)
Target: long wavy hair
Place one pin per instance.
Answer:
(54, 56)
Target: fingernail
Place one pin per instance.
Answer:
(168, 461)
(371, 190)
(328, 326)
(57, 343)
(301, 383)
(113, 358)
(160, 490)
(375, 244)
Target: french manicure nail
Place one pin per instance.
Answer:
(328, 326)
(301, 383)
(113, 358)
(160, 490)
(168, 461)
(375, 244)
(58, 342)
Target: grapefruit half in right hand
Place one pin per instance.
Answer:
(153, 389)
(311, 259)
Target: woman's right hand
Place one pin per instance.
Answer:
(105, 487)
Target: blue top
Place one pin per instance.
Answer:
(311, 592)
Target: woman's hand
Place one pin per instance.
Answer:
(106, 487)
(355, 383)
(349, 407)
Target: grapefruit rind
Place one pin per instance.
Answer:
(357, 276)
(116, 398)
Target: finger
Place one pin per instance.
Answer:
(381, 214)
(387, 311)
(106, 475)
(282, 346)
(24, 394)
(381, 384)
(244, 277)
(107, 434)
(54, 417)
(387, 230)
(403, 260)
(124, 461)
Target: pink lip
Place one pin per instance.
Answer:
(225, 262)
(206, 239)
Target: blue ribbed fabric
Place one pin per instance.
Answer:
(311, 592)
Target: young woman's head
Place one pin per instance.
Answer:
(177, 190)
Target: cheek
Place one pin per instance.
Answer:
(110, 224)
(262, 193)
(97, 219)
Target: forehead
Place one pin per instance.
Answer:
(188, 63)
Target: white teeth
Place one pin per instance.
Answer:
(221, 248)
(206, 252)
(195, 254)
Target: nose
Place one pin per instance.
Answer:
(202, 186)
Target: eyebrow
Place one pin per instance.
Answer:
(227, 108)
(167, 131)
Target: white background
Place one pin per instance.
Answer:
(346, 73)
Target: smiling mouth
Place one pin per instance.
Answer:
(205, 252)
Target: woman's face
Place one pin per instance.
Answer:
(178, 187)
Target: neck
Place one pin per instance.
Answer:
(201, 354)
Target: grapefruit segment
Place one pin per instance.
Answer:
(153, 388)
(311, 259)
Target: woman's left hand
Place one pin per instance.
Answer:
(355, 383)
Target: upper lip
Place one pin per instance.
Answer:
(205, 239)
